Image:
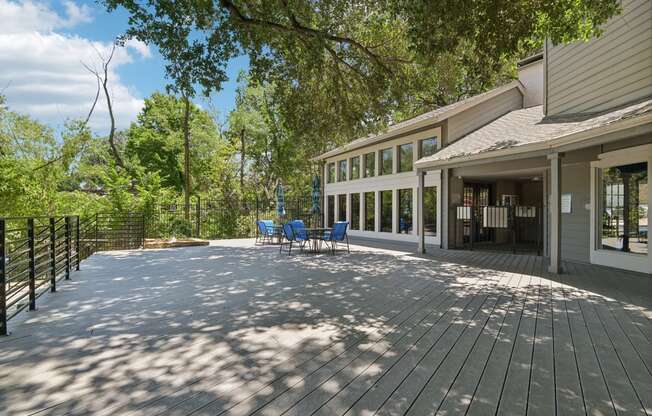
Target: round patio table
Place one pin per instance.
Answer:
(314, 238)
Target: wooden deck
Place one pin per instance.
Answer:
(238, 329)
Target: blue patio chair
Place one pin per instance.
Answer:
(292, 237)
(337, 234)
(265, 231)
(299, 228)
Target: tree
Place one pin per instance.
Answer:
(343, 68)
(192, 63)
(156, 142)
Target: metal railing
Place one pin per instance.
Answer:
(217, 219)
(37, 252)
(511, 227)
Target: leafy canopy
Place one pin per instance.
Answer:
(342, 68)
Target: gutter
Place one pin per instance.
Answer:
(547, 146)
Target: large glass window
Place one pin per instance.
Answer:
(427, 147)
(624, 208)
(386, 211)
(355, 167)
(405, 211)
(341, 207)
(331, 173)
(387, 163)
(369, 165)
(341, 171)
(430, 210)
(355, 211)
(330, 217)
(370, 211)
(405, 157)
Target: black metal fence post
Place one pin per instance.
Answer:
(77, 244)
(198, 216)
(95, 249)
(3, 281)
(53, 256)
(67, 222)
(32, 264)
(472, 232)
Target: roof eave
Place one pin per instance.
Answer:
(548, 145)
(422, 123)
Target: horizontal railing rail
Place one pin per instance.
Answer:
(37, 252)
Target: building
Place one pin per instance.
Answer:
(555, 162)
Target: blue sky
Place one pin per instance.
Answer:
(42, 50)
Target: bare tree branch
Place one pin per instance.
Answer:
(103, 78)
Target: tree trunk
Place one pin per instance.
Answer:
(242, 159)
(186, 158)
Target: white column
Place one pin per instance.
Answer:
(395, 156)
(377, 211)
(555, 213)
(445, 210)
(362, 215)
(325, 213)
(395, 216)
(336, 207)
(348, 208)
(419, 217)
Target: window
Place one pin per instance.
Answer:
(331, 173)
(405, 157)
(355, 167)
(370, 211)
(386, 211)
(624, 208)
(355, 211)
(341, 171)
(405, 211)
(369, 165)
(386, 167)
(430, 210)
(341, 207)
(331, 211)
(428, 147)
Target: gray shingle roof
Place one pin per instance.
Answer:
(528, 126)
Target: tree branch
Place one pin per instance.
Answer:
(297, 27)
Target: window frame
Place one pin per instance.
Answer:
(351, 168)
(366, 157)
(389, 192)
(381, 153)
(400, 157)
(421, 153)
(614, 258)
(342, 171)
(331, 175)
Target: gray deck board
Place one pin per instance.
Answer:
(236, 329)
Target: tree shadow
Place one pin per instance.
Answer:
(231, 327)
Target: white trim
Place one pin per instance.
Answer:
(627, 261)
(422, 121)
(393, 183)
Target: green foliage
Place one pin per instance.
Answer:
(341, 69)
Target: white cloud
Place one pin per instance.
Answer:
(42, 73)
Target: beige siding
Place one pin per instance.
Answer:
(605, 72)
(476, 117)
